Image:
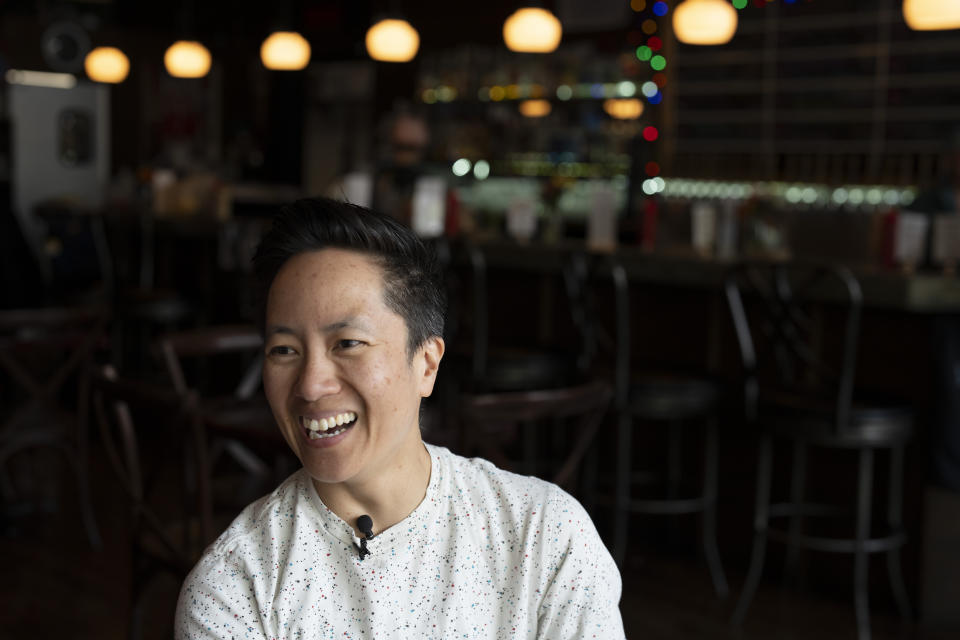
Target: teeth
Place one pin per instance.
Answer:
(314, 435)
(325, 424)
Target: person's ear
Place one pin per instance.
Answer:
(430, 354)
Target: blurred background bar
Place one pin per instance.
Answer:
(591, 195)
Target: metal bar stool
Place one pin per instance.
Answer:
(793, 393)
(675, 402)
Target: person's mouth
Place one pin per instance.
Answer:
(327, 426)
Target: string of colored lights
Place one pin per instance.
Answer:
(648, 50)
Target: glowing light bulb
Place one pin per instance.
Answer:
(704, 22)
(187, 59)
(107, 64)
(931, 15)
(392, 40)
(535, 108)
(285, 51)
(623, 108)
(532, 30)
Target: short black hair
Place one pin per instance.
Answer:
(411, 278)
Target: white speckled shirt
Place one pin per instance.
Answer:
(487, 554)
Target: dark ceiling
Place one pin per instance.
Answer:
(335, 29)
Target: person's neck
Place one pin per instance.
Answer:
(387, 497)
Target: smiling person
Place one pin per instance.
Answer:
(380, 534)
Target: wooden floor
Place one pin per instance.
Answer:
(54, 585)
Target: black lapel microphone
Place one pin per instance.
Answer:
(365, 525)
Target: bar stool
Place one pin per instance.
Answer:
(794, 393)
(507, 368)
(476, 364)
(675, 402)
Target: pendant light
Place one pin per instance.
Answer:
(187, 59)
(704, 22)
(932, 15)
(392, 40)
(532, 30)
(285, 51)
(107, 64)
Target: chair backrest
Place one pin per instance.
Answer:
(508, 428)
(214, 341)
(41, 348)
(780, 313)
(611, 343)
(124, 409)
(573, 273)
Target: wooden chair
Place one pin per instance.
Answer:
(225, 362)
(109, 260)
(147, 432)
(798, 388)
(42, 351)
(545, 433)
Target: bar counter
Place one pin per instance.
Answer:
(891, 289)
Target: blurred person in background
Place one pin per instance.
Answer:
(407, 137)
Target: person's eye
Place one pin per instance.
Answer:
(348, 344)
(280, 350)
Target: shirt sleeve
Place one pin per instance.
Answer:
(218, 602)
(582, 598)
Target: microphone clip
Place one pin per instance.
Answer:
(365, 525)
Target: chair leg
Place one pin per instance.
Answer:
(674, 458)
(861, 557)
(86, 504)
(622, 503)
(246, 458)
(83, 462)
(798, 480)
(760, 523)
(135, 628)
(710, 512)
(895, 521)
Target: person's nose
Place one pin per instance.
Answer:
(318, 378)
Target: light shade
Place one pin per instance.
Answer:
(704, 22)
(532, 30)
(285, 51)
(187, 59)
(931, 15)
(392, 40)
(107, 64)
(623, 108)
(535, 108)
